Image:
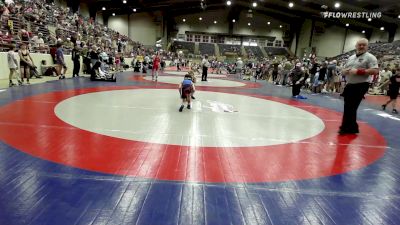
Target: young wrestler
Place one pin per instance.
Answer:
(186, 88)
(156, 66)
(193, 77)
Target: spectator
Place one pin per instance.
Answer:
(118, 61)
(24, 36)
(331, 74)
(298, 78)
(76, 58)
(12, 65)
(103, 56)
(393, 92)
(25, 63)
(38, 42)
(93, 55)
(322, 77)
(60, 63)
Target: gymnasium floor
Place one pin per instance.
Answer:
(81, 152)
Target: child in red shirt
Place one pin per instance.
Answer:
(156, 66)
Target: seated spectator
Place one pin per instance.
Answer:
(24, 36)
(100, 71)
(37, 41)
(5, 39)
(103, 56)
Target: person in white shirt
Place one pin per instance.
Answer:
(38, 42)
(205, 63)
(13, 65)
(357, 70)
(104, 56)
(384, 76)
(239, 65)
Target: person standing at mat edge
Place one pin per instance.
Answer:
(76, 58)
(61, 67)
(205, 63)
(13, 66)
(298, 77)
(357, 70)
(156, 66)
(394, 87)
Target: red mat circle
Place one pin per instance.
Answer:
(31, 126)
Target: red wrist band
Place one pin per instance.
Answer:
(361, 72)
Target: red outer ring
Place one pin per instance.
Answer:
(30, 125)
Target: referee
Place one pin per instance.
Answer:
(357, 71)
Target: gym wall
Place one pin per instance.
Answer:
(331, 42)
(258, 22)
(141, 27)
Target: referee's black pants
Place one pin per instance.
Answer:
(296, 89)
(353, 95)
(204, 74)
(77, 67)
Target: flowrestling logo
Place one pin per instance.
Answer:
(351, 15)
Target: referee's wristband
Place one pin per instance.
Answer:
(361, 72)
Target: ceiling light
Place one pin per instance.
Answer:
(337, 5)
(369, 19)
(249, 24)
(104, 8)
(113, 14)
(347, 25)
(215, 21)
(184, 20)
(382, 28)
(363, 31)
(291, 4)
(124, 1)
(228, 2)
(254, 4)
(233, 21)
(200, 18)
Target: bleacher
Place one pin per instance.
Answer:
(275, 51)
(254, 51)
(226, 48)
(206, 48)
(34, 17)
(183, 45)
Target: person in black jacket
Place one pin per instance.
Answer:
(322, 74)
(76, 58)
(93, 55)
(298, 78)
(394, 88)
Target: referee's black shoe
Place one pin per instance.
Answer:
(344, 132)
